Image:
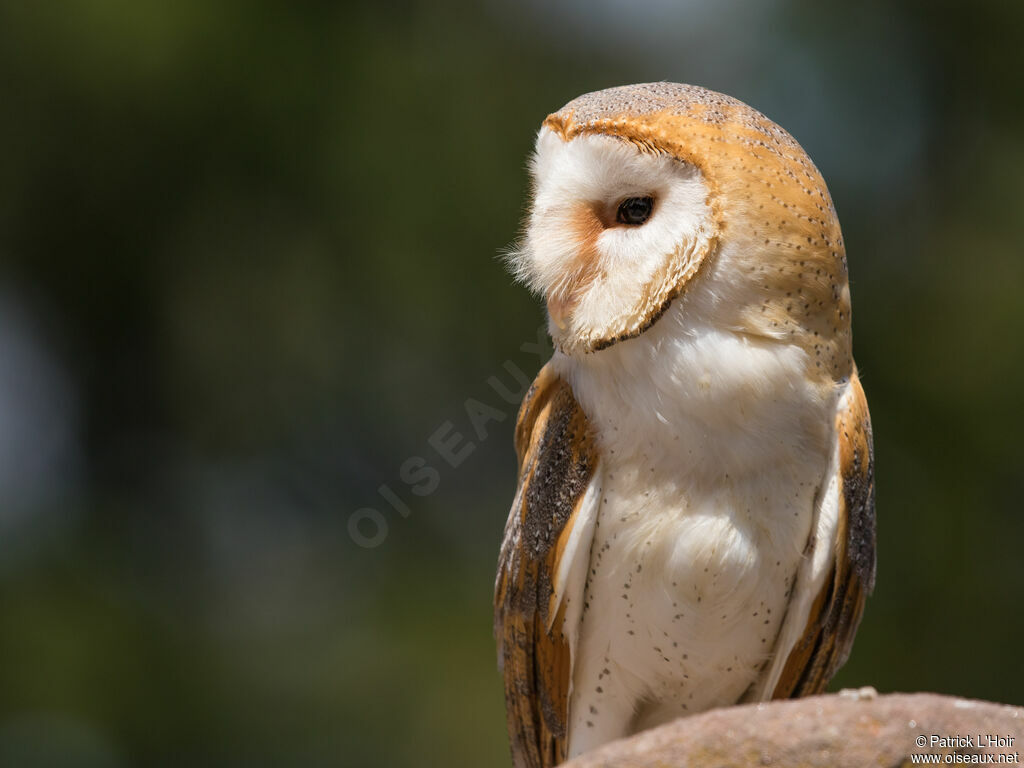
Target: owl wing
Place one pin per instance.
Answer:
(542, 568)
(838, 584)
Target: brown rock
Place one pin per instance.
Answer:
(851, 729)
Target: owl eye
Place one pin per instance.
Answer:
(634, 210)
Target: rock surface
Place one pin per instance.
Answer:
(849, 729)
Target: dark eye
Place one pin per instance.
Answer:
(634, 210)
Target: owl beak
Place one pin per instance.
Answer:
(559, 310)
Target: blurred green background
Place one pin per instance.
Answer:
(250, 265)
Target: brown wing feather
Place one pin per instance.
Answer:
(837, 611)
(556, 456)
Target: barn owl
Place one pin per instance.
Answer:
(694, 520)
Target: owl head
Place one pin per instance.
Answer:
(645, 194)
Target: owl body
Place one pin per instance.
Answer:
(693, 525)
(703, 509)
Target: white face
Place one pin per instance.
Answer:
(605, 268)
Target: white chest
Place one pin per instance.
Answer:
(688, 585)
(713, 448)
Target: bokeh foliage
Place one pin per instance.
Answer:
(250, 264)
